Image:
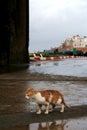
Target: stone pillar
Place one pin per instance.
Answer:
(14, 33)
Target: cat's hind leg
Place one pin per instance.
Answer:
(62, 109)
(52, 107)
(39, 108)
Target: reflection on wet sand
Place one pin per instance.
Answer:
(70, 124)
(41, 126)
(52, 126)
(47, 126)
(17, 128)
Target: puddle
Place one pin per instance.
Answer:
(67, 67)
(71, 124)
(74, 124)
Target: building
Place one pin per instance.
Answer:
(80, 43)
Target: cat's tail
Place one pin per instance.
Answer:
(70, 107)
(66, 105)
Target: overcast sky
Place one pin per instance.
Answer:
(52, 21)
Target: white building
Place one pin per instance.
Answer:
(84, 42)
(77, 41)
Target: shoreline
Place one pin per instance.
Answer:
(22, 75)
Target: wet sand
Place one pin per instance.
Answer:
(26, 118)
(12, 102)
(70, 124)
(27, 76)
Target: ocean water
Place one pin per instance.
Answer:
(66, 67)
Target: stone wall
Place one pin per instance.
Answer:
(14, 32)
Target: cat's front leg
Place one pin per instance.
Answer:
(39, 109)
(47, 108)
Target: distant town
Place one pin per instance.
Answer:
(75, 45)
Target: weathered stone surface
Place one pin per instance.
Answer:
(13, 31)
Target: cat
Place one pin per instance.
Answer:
(46, 97)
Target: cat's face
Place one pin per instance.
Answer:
(29, 93)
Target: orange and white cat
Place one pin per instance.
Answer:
(46, 97)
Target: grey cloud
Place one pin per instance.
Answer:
(50, 26)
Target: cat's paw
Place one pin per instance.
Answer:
(46, 112)
(39, 112)
(61, 111)
(50, 110)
